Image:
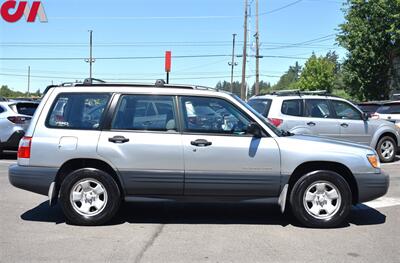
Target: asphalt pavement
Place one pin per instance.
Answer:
(31, 231)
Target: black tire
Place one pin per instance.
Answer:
(328, 178)
(382, 141)
(111, 194)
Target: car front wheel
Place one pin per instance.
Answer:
(321, 199)
(386, 149)
(89, 197)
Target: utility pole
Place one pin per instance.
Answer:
(257, 35)
(90, 60)
(233, 63)
(243, 84)
(29, 78)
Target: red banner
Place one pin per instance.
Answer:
(167, 61)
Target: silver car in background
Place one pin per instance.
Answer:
(328, 116)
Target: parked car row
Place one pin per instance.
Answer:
(330, 116)
(15, 117)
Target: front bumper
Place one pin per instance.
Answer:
(371, 185)
(13, 141)
(33, 179)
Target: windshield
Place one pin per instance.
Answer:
(277, 131)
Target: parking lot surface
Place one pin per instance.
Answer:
(31, 231)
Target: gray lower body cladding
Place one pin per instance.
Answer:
(371, 186)
(33, 179)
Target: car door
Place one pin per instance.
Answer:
(143, 143)
(319, 118)
(352, 126)
(221, 159)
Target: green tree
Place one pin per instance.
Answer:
(265, 87)
(318, 74)
(289, 79)
(371, 34)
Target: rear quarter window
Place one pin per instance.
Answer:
(262, 106)
(78, 111)
(292, 107)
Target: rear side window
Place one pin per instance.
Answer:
(262, 106)
(292, 107)
(145, 113)
(78, 111)
(318, 109)
(389, 109)
(26, 108)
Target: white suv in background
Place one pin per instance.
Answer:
(324, 115)
(14, 121)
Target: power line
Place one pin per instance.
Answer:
(139, 57)
(281, 8)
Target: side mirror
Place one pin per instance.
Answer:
(365, 116)
(255, 130)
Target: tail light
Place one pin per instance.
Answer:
(275, 122)
(18, 119)
(24, 149)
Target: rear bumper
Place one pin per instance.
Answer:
(13, 141)
(33, 179)
(371, 186)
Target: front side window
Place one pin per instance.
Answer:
(78, 111)
(145, 113)
(212, 115)
(345, 111)
(318, 109)
(292, 107)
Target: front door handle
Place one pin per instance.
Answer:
(311, 123)
(201, 143)
(344, 125)
(118, 139)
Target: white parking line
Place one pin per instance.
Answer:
(380, 203)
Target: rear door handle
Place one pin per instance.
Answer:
(345, 125)
(311, 123)
(118, 139)
(201, 143)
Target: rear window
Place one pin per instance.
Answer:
(389, 109)
(368, 108)
(292, 107)
(78, 111)
(262, 106)
(26, 108)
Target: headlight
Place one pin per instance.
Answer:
(374, 160)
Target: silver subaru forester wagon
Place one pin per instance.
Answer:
(92, 145)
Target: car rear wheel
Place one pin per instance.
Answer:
(386, 149)
(321, 199)
(89, 197)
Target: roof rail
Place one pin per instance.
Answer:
(300, 93)
(160, 83)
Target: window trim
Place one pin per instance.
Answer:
(302, 107)
(116, 102)
(184, 132)
(102, 118)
